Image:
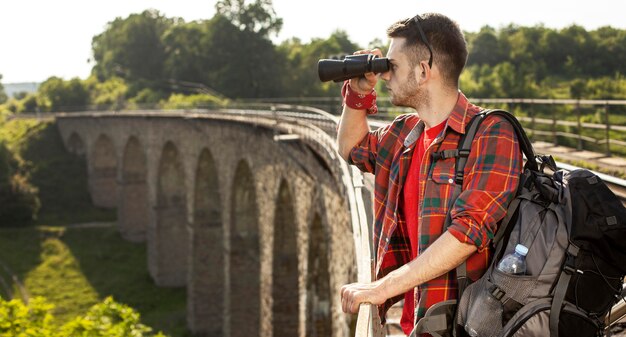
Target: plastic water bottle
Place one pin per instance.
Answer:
(486, 310)
(514, 263)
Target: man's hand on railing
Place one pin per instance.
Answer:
(352, 295)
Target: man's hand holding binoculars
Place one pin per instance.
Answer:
(367, 82)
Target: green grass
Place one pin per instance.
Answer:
(75, 268)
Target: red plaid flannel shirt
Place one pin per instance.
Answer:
(491, 178)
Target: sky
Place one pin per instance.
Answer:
(43, 38)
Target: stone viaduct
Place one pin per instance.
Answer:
(247, 210)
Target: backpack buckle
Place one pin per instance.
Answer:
(496, 292)
(458, 178)
(570, 270)
(569, 262)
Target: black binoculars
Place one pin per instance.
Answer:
(350, 67)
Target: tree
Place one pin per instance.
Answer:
(3, 95)
(19, 202)
(186, 56)
(581, 60)
(257, 17)
(110, 94)
(484, 48)
(243, 63)
(301, 70)
(29, 103)
(132, 48)
(611, 43)
(55, 94)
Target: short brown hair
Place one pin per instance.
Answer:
(446, 38)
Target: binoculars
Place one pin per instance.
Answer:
(350, 67)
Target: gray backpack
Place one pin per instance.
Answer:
(575, 230)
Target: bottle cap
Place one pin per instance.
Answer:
(521, 250)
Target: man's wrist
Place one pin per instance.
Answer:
(381, 291)
(359, 101)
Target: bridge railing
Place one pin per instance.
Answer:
(594, 125)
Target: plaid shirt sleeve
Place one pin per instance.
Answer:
(375, 144)
(363, 154)
(491, 178)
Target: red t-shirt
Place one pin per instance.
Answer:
(411, 201)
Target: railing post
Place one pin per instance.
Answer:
(608, 129)
(555, 138)
(532, 116)
(580, 129)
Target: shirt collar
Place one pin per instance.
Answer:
(459, 116)
(457, 120)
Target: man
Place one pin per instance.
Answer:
(415, 255)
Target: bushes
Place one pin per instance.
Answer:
(105, 319)
(18, 199)
(179, 101)
(33, 155)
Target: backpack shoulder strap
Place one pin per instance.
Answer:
(465, 146)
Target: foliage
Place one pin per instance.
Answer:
(3, 95)
(109, 94)
(186, 54)
(146, 57)
(132, 48)
(29, 103)
(42, 165)
(243, 63)
(19, 202)
(541, 62)
(35, 319)
(257, 17)
(300, 69)
(179, 101)
(107, 319)
(231, 55)
(55, 95)
(32, 320)
(147, 96)
(77, 267)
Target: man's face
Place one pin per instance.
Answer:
(402, 77)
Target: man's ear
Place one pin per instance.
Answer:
(424, 71)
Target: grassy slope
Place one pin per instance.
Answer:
(76, 267)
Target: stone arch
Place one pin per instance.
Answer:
(285, 266)
(75, 145)
(132, 209)
(103, 173)
(170, 247)
(245, 264)
(319, 317)
(205, 292)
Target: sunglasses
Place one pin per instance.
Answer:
(417, 20)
